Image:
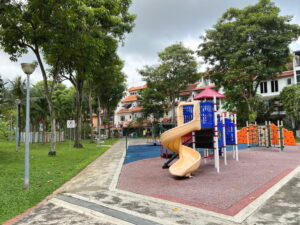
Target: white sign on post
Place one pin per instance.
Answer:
(71, 124)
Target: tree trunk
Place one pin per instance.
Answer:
(99, 121)
(48, 95)
(105, 119)
(92, 140)
(53, 135)
(108, 122)
(173, 109)
(19, 125)
(79, 90)
(252, 113)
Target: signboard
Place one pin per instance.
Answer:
(71, 124)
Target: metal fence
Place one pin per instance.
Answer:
(42, 137)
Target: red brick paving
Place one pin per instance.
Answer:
(237, 185)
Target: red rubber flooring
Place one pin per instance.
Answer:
(237, 184)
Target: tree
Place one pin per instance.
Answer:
(38, 107)
(2, 94)
(88, 30)
(153, 101)
(109, 83)
(247, 46)
(71, 34)
(290, 98)
(23, 28)
(17, 91)
(176, 69)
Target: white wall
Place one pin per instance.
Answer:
(282, 83)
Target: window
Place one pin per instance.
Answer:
(297, 60)
(129, 117)
(289, 81)
(274, 85)
(122, 118)
(263, 87)
(298, 76)
(206, 81)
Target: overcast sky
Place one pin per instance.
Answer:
(159, 24)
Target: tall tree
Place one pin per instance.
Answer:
(22, 29)
(247, 46)
(17, 91)
(177, 68)
(110, 86)
(91, 28)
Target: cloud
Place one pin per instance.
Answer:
(162, 23)
(9, 69)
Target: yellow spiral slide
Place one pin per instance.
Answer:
(189, 159)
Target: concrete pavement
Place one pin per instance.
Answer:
(92, 198)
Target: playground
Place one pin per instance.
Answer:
(236, 186)
(204, 169)
(205, 162)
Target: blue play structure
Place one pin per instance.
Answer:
(218, 130)
(207, 121)
(207, 114)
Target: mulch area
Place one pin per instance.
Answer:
(237, 184)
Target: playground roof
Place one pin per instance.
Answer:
(208, 93)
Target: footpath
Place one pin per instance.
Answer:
(92, 198)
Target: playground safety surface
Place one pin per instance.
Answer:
(236, 186)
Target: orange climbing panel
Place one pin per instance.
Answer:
(259, 134)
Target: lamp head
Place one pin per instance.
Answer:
(28, 68)
(18, 101)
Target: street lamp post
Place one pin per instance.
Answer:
(18, 101)
(27, 68)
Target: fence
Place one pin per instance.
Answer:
(42, 137)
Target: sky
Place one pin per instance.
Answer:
(161, 23)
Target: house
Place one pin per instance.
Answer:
(129, 109)
(296, 67)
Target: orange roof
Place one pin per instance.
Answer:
(130, 98)
(138, 88)
(286, 74)
(136, 109)
(289, 73)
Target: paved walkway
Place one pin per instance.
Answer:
(91, 198)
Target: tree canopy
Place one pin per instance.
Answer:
(245, 47)
(290, 98)
(71, 36)
(176, 69)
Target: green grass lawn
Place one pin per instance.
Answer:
(46, 173)
(298, 140)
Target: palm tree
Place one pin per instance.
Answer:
(17, 91)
